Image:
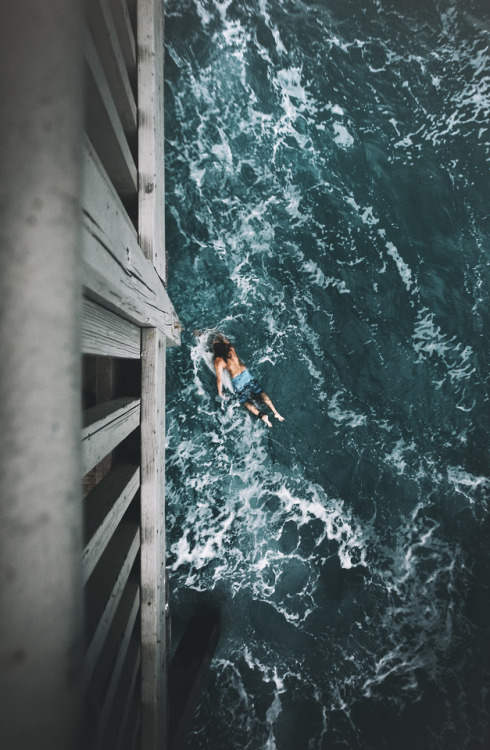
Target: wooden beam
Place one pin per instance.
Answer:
(106, 40)
(123, 692)
(132, 700)
(151, 133)
(153, 652)
(114, 270)
(104, 590)
(104, 508)
(127, 615)
(104, 126)
(125, 33)
(97, 387)
(105, 426)
(97, 687)
(105, 334)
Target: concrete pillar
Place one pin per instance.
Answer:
(40, 509)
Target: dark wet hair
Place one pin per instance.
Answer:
(222, 348)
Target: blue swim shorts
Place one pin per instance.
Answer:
(246, 387)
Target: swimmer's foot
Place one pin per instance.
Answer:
(278, 416)
(265, 418)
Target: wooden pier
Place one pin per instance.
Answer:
(85, 319)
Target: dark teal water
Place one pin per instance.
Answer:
(328, 209)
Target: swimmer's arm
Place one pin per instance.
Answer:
(218, 365)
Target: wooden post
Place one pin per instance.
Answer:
(40, 511)
(151, 133)
(151, 188)
(153, 656)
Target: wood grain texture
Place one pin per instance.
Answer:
(114, 270)
(104, 508)
(125, 33)
(105, 426)
(104, 590)
(106, 39)
(126, 614)
(151, 133)
(106, 334)
(153, 656)
(104, 125)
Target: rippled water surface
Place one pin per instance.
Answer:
(328, 209)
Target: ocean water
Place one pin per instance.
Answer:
(328, 193)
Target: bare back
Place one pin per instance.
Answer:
(233, 364)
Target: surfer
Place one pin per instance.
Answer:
(244, 384)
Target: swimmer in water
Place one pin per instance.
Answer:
(244, 384)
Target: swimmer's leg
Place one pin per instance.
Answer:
(253, 410)
(268, 402)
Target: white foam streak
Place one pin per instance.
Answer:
(366, 214)
(460, 478)
(342, 136)
(428, 339)
(346, 417)
(317, 277)
(402, 267)
(202, 12)
(397, 457)
(275, 32)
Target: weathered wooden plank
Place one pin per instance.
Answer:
(105, 426)
(153, 651)
(105, 334)
(97, 387)
(104, 590)
(129, 612)
(104, 126)
(123, 692)
(114, 269)
(151, 133)
(102, 27)
(131, 711)
(104, 508)
(97, 688)
(125, 33)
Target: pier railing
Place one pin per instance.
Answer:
(127, 322)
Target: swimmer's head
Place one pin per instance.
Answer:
(221, 347)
